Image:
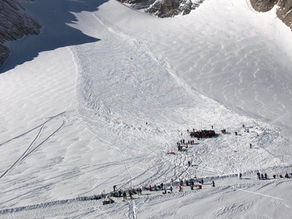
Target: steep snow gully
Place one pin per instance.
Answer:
(82, 117)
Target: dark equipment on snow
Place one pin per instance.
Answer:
(203, 134)
(109, 201)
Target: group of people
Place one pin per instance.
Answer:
(168, 188)
(262, 176)
(183, 143)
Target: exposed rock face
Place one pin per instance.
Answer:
(14, 24)
(284, 11)
(263, 5)
(164, 8)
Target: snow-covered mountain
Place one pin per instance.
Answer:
(14, 24)
(104, 93)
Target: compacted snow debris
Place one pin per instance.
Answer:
(129, 109)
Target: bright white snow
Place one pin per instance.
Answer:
(79, 119)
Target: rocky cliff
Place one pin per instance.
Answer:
(284, 10)
(14, 24)
(164, 8)
(169, 8)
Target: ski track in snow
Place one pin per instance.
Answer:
(30, 149)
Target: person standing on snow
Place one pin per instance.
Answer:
(213, 183)
(130, 194)
(259, 175)
(124, 196)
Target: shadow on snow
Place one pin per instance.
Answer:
(55, 16)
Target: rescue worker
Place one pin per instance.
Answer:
(259, 175)
(130, 194)
(124, 196)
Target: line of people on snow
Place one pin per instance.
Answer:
(263, 176)
(165, 188)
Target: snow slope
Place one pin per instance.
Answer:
(79, 119)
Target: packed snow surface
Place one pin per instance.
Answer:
(78, 119)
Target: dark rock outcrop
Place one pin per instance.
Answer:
(263, 5)
(284, 10)
(14, 24)
(164, 8)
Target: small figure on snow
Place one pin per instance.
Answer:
(131, 194)
(189, 163)
(213, 184)
(259, 175)
(192, 186)
(124, 196)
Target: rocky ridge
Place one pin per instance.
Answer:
(170, 8)
(14, 24)
(164, 8)
(284, 10)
